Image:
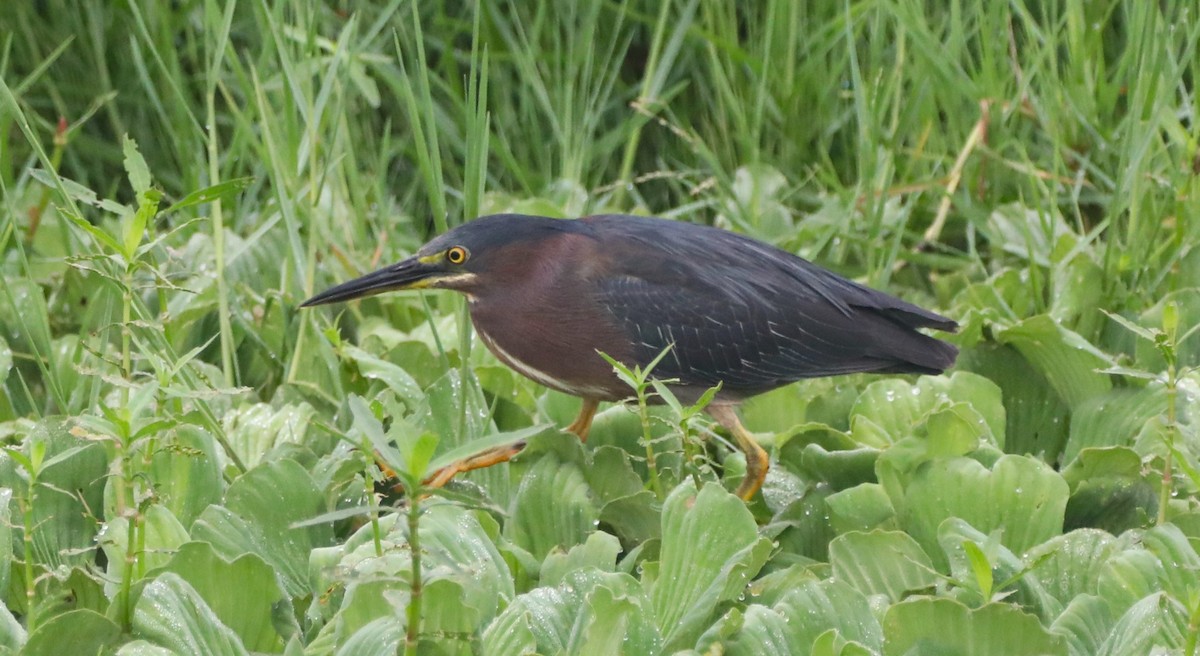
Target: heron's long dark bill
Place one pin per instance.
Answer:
(406, 274)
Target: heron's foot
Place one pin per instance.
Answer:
(757, 460)
(439, 478)
(493, 456)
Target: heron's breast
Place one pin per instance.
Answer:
(554, 338)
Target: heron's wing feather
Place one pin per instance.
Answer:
(749, 346)
(740, 312)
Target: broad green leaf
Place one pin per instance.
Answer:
(455, 410)
(1181, 571)
(498, 380)
(1068, 361)
(1109, 490)
(1036, 418)
(380, 637)
(59, 591)
(894, 405)
(260, 508)
(161, 534)
(833, 438)
(699, 567)
(841, 469)
(1069, 565)
(881, 562)
(185, 470)
(611, 476)
(757, 189)
(254, 429)
(770, 589)
(552, 509)
(1078, 291)
(1085, 624)
(619, 625)
(143, 648)
(900, 463)
(70, 490)
(458, 547)
(807, 523)
(498, 202)
(455, 547)
(599, 551)
(169, 613)
(864, 432)
(243, 593)
(635, 518)
(817, 606)
(1188, 522)
(958, 428)
(448, 618)
(1156, 622)
(390, 374)
(513, 632)
(861, 508)
(74, 632)
(831, 643)
(1020, 495)
(760, 630)
(1114, 418)
(364, 602)
(897, 407)
(776, 410)
(935, 626)
(1129, 577)
(1026, 232)
(1092, 463)
(986, 570)
(616, 426)
(12, 634)
(589, 613)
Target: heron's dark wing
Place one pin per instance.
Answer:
(753, 317)
(744, 345)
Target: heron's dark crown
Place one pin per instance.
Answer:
(497, 230)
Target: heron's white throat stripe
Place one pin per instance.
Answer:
(537, 375)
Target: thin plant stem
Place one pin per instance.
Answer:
(30, 588)
(413, 633)
(372, 501)
(647, 439)
(122, 474)
(218, 231)
(131, 540)
(1172, 428)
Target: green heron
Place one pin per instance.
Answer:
(546, 295)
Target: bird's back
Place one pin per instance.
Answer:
(748, 315)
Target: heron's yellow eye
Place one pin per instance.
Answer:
(456, 255)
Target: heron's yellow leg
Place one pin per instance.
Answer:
(757, 461)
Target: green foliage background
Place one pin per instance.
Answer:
(188, 461)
